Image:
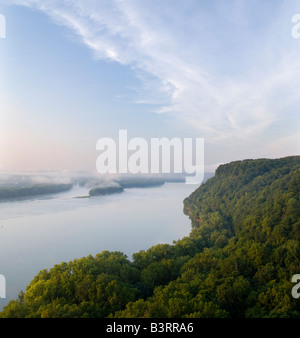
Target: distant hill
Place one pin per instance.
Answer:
(238, 261)
(7, 193)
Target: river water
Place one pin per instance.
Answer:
(38, 233)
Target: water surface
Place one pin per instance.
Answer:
(40, 232)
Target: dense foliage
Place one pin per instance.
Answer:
(33, 190)
(238, 261)
(105, 191)
(142, 182)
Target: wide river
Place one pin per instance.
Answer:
(38, 233)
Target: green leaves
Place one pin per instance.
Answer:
(238, 261)
(87, 287)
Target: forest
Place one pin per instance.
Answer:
(14, 187)
(7, 193)
(105, 191)
(237, 262)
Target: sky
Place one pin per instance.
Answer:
(74, 71)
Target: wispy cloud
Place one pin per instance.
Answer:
(218, 68)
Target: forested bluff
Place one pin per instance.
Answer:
(237, 262)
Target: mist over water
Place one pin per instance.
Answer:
(38, 233)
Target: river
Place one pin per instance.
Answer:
(38, 233)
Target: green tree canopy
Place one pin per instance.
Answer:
(238, 261)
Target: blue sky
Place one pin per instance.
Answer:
(75, 71)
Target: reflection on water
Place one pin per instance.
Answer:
(38, 233)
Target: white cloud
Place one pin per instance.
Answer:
(192, 60)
